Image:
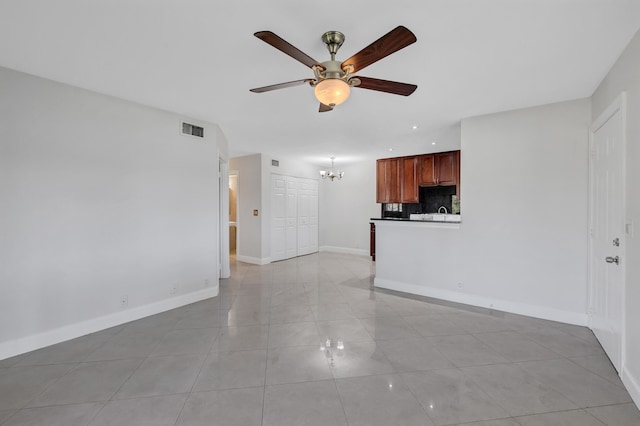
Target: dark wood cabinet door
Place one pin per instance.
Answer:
(427, 174)
(381, 181)
(393, 180)
(409, 182)
(447, 166)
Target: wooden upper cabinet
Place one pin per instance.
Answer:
(441, 169)
(388, 181)
(398, 180)
(381, 181)
(393, 179)
(447, 168)
(409, 176)
(428, 170)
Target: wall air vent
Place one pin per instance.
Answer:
(275, 163)
(193, 130)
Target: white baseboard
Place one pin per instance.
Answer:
(253, 260)
(484, 302)
(345, 250)
(36, 341)
(632, 385)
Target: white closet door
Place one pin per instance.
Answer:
(291, 212)
(313, 216)
(278, 217)
(307, 216)
(303, 217)
(294, 217)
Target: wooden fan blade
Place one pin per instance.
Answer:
(393, 87)
(325, 108)
(281, 85)
(394, 40)
(286, 47)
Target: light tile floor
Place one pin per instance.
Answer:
(258, 355)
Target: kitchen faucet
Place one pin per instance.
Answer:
(445, 210)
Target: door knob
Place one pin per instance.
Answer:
(615, 260)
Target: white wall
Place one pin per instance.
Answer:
(346, 207)
(288, 167)
(524, 204)
(625, 76)
(99, 198)
(522, 244)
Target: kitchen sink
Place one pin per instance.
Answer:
(435, 217)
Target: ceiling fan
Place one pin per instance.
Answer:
(333, 79)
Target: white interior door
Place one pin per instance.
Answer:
(607, 233)
(278, 217)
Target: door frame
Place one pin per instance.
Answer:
(619, 105)
(224, 270)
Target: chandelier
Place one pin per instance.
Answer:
(331, 174)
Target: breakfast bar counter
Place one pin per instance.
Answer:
(418, 257)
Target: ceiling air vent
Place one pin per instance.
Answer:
(275, 163)
(193, 130)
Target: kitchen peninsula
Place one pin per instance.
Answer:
(419, 187)
(415, 239)
(412, 254)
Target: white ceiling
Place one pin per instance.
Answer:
(200, 58)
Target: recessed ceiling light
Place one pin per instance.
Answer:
(415, 127)
(433, 143)
(390, 149)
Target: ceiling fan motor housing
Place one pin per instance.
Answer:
(332, 69)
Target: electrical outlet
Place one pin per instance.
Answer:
(173, 289)
(124, 301)
(460, 286)
(206, 283)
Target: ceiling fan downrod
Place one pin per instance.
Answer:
(333, 40)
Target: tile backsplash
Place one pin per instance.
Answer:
(431, 199)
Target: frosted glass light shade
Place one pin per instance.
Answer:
(332, 91)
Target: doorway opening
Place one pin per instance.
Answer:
(233, 214)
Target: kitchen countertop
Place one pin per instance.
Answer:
(403, 219)
(402, 223)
